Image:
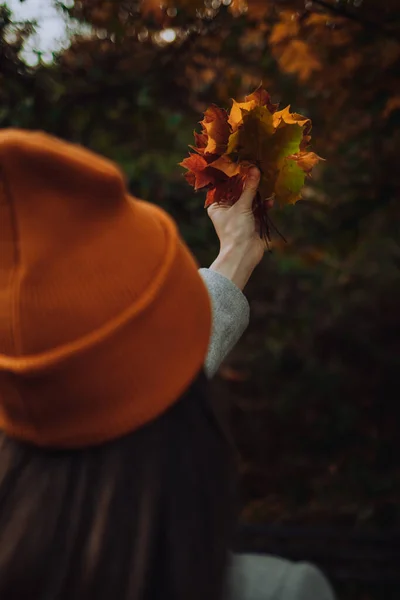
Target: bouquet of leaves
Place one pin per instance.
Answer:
(253, 133)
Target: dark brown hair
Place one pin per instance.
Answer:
(145, 516)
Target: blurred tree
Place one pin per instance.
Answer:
(315, 380)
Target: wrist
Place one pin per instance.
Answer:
(234, 264)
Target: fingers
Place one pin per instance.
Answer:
(245, 202)
(250, 189)
(216, 208)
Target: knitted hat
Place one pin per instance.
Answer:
(104, 319)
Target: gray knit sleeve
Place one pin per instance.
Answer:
(265, 577)
(230, 318)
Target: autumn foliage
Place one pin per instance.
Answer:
(253, 133)
(311, 383)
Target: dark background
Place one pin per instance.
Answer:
(313, 384)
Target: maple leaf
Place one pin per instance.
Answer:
(259, 97)
(230, 167)
(299, 59)
(284, 116)
(215, 126)
(198, 174)
(190, 177)
(254, 133)
(233, 142)
(201, 140)
(285, 29)
(289, 182)
(226, 192)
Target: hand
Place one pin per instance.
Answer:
(241, 247)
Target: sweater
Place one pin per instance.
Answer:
(230, 318)
(253, 577)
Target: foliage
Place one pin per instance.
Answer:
(315, 379)
(254, 133)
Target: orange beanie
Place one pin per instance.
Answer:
(104, 319)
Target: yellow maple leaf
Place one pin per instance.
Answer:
(297, 57)
(254, 134)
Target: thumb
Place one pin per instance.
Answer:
(250, 189)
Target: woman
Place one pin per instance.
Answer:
(116, 477)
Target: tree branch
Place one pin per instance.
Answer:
(362, 21)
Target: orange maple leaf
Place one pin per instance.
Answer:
(285, 29)
(298, 58)
(215, 125)
(227, 166)
(259, 97)
(198, 174)
(226, 191)
(254, 133)
(201, 140)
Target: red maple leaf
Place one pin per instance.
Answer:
(254, 133)
(226, 191)
(198, 174)
(215, 126)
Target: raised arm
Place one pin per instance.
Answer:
(241, 249)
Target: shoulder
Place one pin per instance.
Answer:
(263, 577)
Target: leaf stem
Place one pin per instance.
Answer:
(274, 227)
